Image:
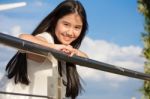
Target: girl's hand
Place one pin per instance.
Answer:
(69, 50)
(79, 53)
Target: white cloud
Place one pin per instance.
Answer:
(12, 24)
(16, 30)
(6, 54)
(88, 73)
(2, 68)
(115, 77)
(124, 56)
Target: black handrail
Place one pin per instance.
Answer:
(21, 94)
(86, 62)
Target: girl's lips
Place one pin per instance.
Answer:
(66, 38)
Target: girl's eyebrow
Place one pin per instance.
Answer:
(65, 21)
(79, 25)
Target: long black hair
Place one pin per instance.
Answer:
(17, 66)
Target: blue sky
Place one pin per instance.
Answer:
(114, 36)
(116, 21)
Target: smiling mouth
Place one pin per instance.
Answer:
(67, 35)
(66, 38)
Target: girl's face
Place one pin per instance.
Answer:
(68, 28)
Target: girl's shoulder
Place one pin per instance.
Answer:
(47, 36)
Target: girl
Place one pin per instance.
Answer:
(63, 29)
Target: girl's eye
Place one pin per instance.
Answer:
(66, 24)
(77, 28)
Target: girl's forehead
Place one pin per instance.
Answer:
(73, 17)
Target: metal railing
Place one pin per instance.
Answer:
(29, 95)
(86, 62)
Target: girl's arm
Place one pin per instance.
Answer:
(38, 40)
(75, 51)
(81, 54)
(42, 41)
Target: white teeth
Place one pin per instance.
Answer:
(65, 35)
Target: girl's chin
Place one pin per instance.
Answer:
(66, 43)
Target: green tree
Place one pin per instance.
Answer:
(144, 8)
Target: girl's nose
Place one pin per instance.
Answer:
(69, 33)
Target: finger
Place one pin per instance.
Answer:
(66, 51)
(76, 52)
(69, 46)
(71, 54)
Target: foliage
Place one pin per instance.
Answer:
(144, 8)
